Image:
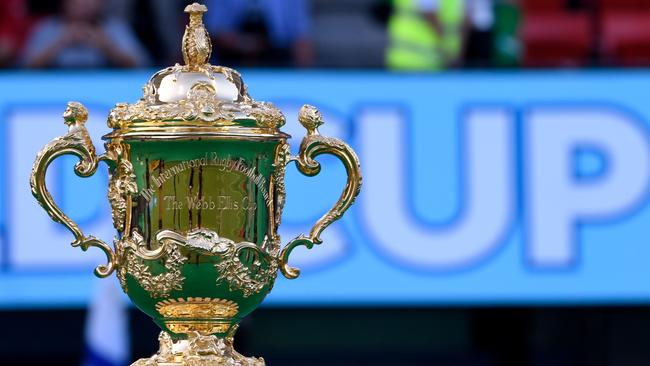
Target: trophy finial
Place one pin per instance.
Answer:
(196, 40)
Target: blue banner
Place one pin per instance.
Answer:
(479, 188)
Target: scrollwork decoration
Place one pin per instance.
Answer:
(200, 350)
(133, 252)
(121, 183)
(312, 146)
(76, 142)
(282, 158)
(249, 278)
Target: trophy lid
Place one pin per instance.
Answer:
(196, 100)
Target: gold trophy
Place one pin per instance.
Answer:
(196, 189)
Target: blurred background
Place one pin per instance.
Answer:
(506, 154)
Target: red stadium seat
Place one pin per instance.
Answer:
(610, 5)
(625, 37)
(557, 39)
(543, 6)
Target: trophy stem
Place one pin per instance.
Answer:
(198, 350)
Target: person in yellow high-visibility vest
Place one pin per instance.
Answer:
(425, 34)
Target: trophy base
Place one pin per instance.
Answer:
(197, 350)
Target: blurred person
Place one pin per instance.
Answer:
(82, 37)
(507, 43)
(15, 23)
(260, 32)
(480, 14)
(107, 327)
(425, 35)
(159, 24)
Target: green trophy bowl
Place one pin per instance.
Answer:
(196, 189)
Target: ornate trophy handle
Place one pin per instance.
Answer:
(311, 146)
(76, 142)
